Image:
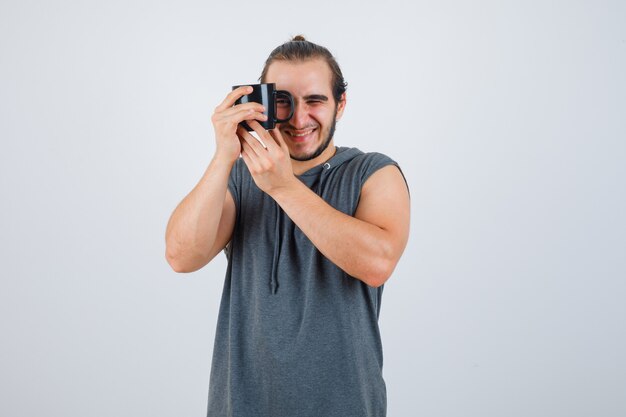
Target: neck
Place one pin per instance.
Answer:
(300, 167)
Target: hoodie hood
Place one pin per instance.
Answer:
(313, 178)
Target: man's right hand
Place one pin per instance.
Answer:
(227, 117)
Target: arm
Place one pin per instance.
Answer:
(202, 224)
(367, 246)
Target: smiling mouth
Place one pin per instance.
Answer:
(300, 135)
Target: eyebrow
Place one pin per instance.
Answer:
(320, 97)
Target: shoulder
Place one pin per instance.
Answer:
(377, 169)
(368, 157)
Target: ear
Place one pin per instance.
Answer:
(341, 106)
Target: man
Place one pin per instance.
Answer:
(312, 232)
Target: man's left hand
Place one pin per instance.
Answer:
(270, 165)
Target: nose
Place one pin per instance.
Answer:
(300, 118)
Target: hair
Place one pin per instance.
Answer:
(299, 49)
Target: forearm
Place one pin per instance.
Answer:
(359, 248)
(192, 228)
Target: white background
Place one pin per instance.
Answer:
(508, 119)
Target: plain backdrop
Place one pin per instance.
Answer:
(508, 119)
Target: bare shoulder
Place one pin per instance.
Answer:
(385, 202)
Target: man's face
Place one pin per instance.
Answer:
(309, 132)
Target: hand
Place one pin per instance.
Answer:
(270, 165)
(226, 119)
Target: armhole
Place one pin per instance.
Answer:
(376, 162)
(233, 188)
(233, 185)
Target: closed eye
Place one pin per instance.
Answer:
(316, 98)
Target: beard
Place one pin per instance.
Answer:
(322, 146)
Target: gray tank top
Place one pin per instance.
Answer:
(296, 336)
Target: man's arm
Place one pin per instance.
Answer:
(367, 246)
(203, 222)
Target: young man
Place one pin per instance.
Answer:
(311, 232)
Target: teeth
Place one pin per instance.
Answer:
(302, 134)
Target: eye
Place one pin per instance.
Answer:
(282, 102)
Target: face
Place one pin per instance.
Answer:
(309, 132)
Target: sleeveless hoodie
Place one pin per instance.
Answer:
(296, 336)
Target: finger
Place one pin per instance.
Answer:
(246, 159)
(278, 137)
(239, 116)
(241, 109)
(249, 157)
(257, 145)
(233, 96)
(267, 141)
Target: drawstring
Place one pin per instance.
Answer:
(277, 240)
(277, 237)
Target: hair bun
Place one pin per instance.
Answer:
(298, 38)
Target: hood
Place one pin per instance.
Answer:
(311, 177)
